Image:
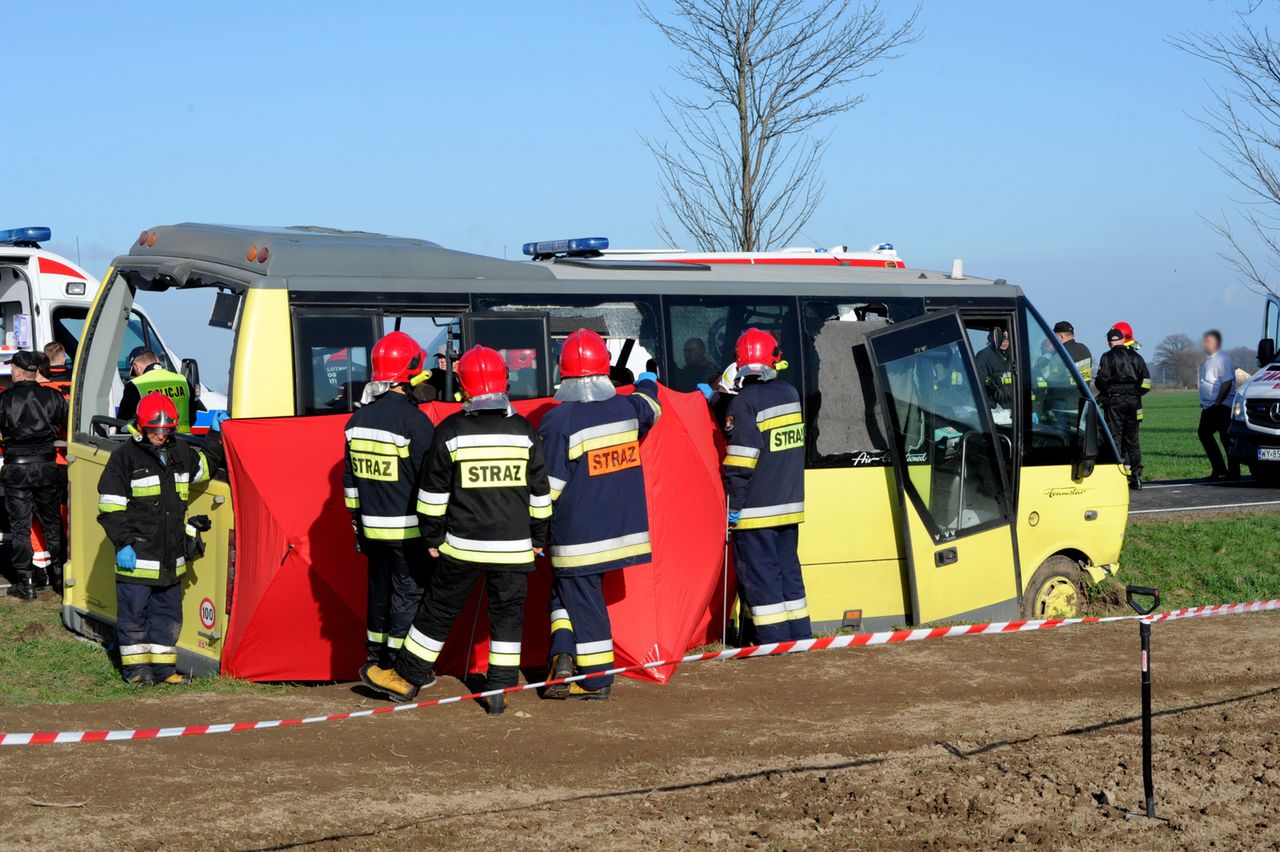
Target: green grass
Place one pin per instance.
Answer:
(1170, 448)
(41, 662)
(1204, 561)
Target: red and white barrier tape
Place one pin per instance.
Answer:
(775, 649)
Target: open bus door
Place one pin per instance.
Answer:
(951, 471)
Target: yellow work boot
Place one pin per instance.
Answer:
(175, 679)
(578, 692)
(390, 684)
(561, 667)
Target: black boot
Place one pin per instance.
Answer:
(40, 579)
(496, 705)
(22, 590)
(1135, 482)
(561, 667)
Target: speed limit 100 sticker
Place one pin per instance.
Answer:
(208, 615)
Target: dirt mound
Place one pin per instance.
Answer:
(966, 743)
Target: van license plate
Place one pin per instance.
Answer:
(1268, 453)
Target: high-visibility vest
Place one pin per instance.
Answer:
(172, 385)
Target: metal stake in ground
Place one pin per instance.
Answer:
(1132, 593)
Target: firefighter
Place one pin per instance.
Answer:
(995, 369)
(386, 441)
(32, 418)
(149, 376)
(1079, 353)
(142, 505)
(485, 502)
(601, 521)
(764, 479)
(1122, 380)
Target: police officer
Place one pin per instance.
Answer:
(995, 369)
(32, 418)
(764, 479)
(485, 501)
(1079, 353)
(149, 375)
(387, 440)
(142, 505)
(1122, 380)
(601, 521)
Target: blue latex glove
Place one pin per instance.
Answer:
(127, 558)
(733, 518)
(706, 390)
(216, 418)
(647, 377)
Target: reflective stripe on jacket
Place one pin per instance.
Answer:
(386, 444)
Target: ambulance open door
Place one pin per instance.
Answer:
(951, 468)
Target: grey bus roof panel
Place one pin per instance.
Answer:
(318, 260)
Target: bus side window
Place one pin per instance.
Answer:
(331, 358)
(841, 406)
(702, 332)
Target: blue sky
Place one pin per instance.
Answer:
(1043, 143)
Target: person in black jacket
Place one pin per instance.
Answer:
(142, 505)
(1122, 380)
(486, 500)
(387, 440)
(32, 417)
(995, 369)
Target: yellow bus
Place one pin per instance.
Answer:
(928, 497)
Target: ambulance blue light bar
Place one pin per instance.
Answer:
(25, 237)
(569, 248)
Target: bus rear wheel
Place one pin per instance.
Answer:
(1054, 590)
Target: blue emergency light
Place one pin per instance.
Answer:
(568, 248)
(29, 237)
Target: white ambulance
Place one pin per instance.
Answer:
(1255, 413)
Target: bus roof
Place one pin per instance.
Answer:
(314, 259)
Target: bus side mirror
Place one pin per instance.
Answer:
(1266, 351)
(1087, 439)
(191, 372)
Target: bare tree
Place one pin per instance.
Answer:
(1245, 119)
(740, 171)
(1177, 361)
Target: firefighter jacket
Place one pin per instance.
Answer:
(142, 502)
(32, 419)
(995, 372)
(764, 462)
(601, 519)
(1122, 372)
(387, 441)
(1082, 357)
(483, 492)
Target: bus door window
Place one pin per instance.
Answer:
(629, 328)
(946, 451)
(994, 354)
(702, 332)
(841, 406)
(331, 358)
(521, 338)
(67, 323)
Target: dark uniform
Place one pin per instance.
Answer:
(142, 503)
(1122, 380)
(764, 478)
(485, 501)
(995, 371)
(32, 418)
(601, 520)
(1082, 357)
(387, 442)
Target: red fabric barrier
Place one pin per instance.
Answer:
(299, 601)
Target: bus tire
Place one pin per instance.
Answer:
(1054, 590)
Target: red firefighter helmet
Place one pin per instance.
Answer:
(757, 347)
(584, 354)
(481, 371)
(521, 359)
(157, 411)
(1125, 329)
(397, 358)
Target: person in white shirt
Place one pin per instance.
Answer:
(1217, 382)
